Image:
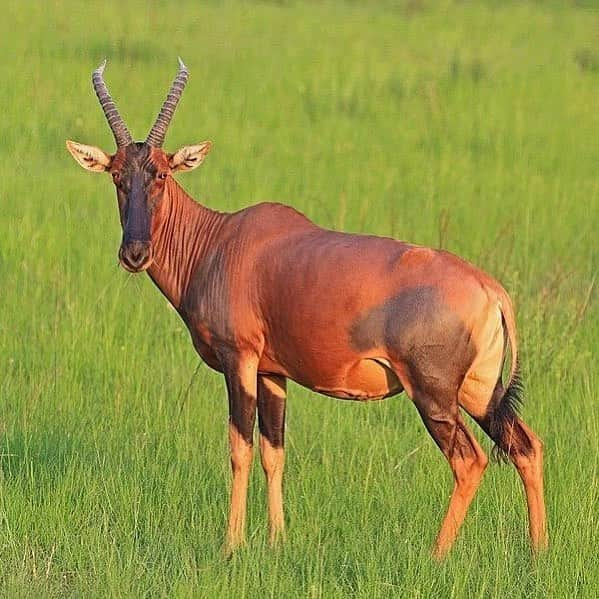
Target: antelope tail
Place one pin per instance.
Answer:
(506, 400)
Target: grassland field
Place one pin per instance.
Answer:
(472, 126)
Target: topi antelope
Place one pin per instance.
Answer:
(268, 295)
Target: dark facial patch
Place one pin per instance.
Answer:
(135, 172)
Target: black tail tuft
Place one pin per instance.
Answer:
(503, 428)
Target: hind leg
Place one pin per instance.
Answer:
(525, 450)
(466, 460)
(486, 400)
(530, 469)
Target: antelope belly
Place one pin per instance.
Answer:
(368, 379)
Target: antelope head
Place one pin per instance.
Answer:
(139, 170)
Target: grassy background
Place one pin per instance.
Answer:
(472, 126)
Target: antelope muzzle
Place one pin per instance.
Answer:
(135, 256)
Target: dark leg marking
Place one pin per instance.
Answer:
(272, 392)
(271, 414)
(241, 378)
(466, 460)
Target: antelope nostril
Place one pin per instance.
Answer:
(136, 255)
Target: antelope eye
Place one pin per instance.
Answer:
(116, 177)
(162, 176)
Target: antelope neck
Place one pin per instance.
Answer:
(182, 237)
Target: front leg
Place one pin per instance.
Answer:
(241, 378)
(271, 417)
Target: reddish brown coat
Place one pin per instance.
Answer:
(268, 295)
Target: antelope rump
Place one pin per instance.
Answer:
(268, 295)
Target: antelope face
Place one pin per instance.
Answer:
(140, 170)
(139, 178)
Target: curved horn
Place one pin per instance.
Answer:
(117, 125)
(158, 131)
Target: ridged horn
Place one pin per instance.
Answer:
(158, 132)
(116, 123)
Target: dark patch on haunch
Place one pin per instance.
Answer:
(417, 328)
(416, 307)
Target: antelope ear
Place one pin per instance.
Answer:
(89, 157)
(189, 157)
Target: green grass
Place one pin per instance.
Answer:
(468, 125)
